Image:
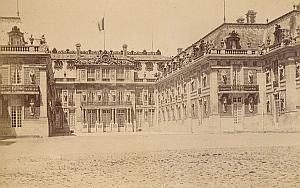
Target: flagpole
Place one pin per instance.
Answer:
(104, 40)
(104, 30)
(224, 11)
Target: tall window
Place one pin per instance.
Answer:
(65, 98)
(16, 116)
(127, 74)
(91, 74)
(105, 73)
(16, 74)
(71, 98)
(120, 97)
(98, 75)
(83, 75)
(120, 73)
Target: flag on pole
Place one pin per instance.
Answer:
(101, 25)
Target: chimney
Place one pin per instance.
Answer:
(78, 45)
(125, 50)
(240, 20)
(179, 50)
(250, 16)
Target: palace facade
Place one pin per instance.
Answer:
(26, 83)
(106, 91)
(241, 76)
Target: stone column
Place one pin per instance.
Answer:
(43, 121)
(156, 109)
(261, 108)
(43, 93)
(78, 113)
(291, 92)
(134, 113)
(292, 95)
(188, 107)
(97, 119)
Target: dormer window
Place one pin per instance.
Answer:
(16, 37)
(233, 41)
(16, 74)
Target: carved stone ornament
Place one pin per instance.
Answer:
(32, 76)
(31, 107)
(251, 104)
(224, 77)
(224, 104)
(250, 77)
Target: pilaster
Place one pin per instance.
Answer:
(291, 93)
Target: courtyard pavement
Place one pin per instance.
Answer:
(152, 160)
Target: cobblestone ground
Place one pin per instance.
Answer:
(237, 160)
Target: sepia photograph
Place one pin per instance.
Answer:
(150, 93)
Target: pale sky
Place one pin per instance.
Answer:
(173, 23)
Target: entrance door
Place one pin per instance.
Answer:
(16, 116)
(121, 119)
(106, 118)
(91, 120)
(237, 113)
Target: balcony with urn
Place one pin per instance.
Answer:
(18, 45)
(19, 89)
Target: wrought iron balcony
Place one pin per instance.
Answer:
(106, 103)
(228, 88)
(19, 89)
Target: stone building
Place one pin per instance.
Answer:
(26, 83)
(105, 91)
(239, 77)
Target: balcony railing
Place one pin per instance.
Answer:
(238, 88)
(234, 52)
(19, 88)
(6, 48)
(104, 103)
(144, 80)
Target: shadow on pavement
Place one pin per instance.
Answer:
(5, 142)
